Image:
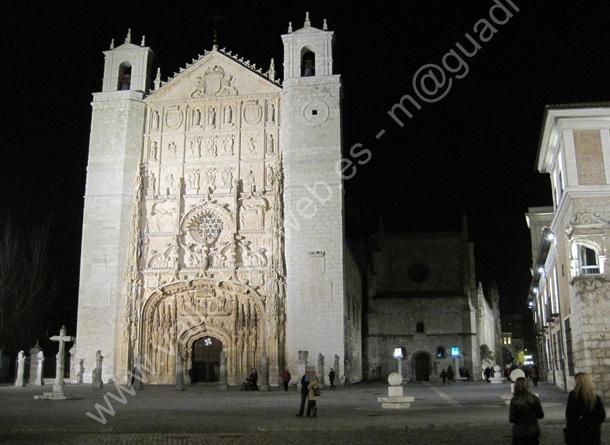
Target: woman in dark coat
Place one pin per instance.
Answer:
(525, 410)
(584, 414)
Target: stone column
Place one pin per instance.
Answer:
(264, 373)
(20, 369)
(222, 384)
(179, 371)
(302, 366)
(33, 363)
(39, 381)
(321, 370)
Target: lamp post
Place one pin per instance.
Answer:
(400, 352)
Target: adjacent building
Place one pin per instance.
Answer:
(423, 296)
(570, 289)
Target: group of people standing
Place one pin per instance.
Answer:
(585, 413)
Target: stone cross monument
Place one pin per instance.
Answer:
(62, 338)
(20, 369)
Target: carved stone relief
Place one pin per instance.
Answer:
(214, 82)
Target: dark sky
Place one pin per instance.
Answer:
(473, 152)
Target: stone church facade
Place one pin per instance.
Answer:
(214, 217)
(423, 296)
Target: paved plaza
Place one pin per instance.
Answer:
(471, 412)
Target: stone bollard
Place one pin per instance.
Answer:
(96, 374)
(33, 364)
(39, 380)
(19, 382)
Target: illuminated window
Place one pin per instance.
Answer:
(440, 352)
(588, 261)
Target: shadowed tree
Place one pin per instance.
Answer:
(28, 285)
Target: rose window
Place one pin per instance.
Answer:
(207, 225)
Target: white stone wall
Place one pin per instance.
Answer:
(114, 154)
(313, 200)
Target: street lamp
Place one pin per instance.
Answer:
(400, 352)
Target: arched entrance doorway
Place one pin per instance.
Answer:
(422, 367)
(205, 362)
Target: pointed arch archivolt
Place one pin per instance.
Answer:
(178, 314)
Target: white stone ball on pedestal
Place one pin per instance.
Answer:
(395, 379)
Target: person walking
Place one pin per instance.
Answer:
(286, 379)
(444, 377)
(331, 378)
(304, 394)
(585, 413)
(487, 373)
(534, 375)
(449, 374)
(525, 410)
(314, 394)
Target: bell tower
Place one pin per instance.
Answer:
(115, 148)
(310, 133)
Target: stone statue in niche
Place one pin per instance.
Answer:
(172, 149)
(227, 177)
(211, 178)
(251, 182)
(196, 117)
(271, 113)
(212, 117)
(151, 186)
(170, 180)
(227, 145)
(212, 146)
(154, 150)
(154, 120)
(270, 144)
(196, 147)
(251, 146)
(193, 179)
(270, 177)
(228, 115)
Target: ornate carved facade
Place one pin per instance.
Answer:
(207, 243)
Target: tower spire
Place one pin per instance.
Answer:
(325, 25)
(143, 42)
(112, 44)
(289, 27)
(128, 36)
(307, 22)
(157, 81)
(271, 72)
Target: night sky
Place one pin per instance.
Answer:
(472, 152)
